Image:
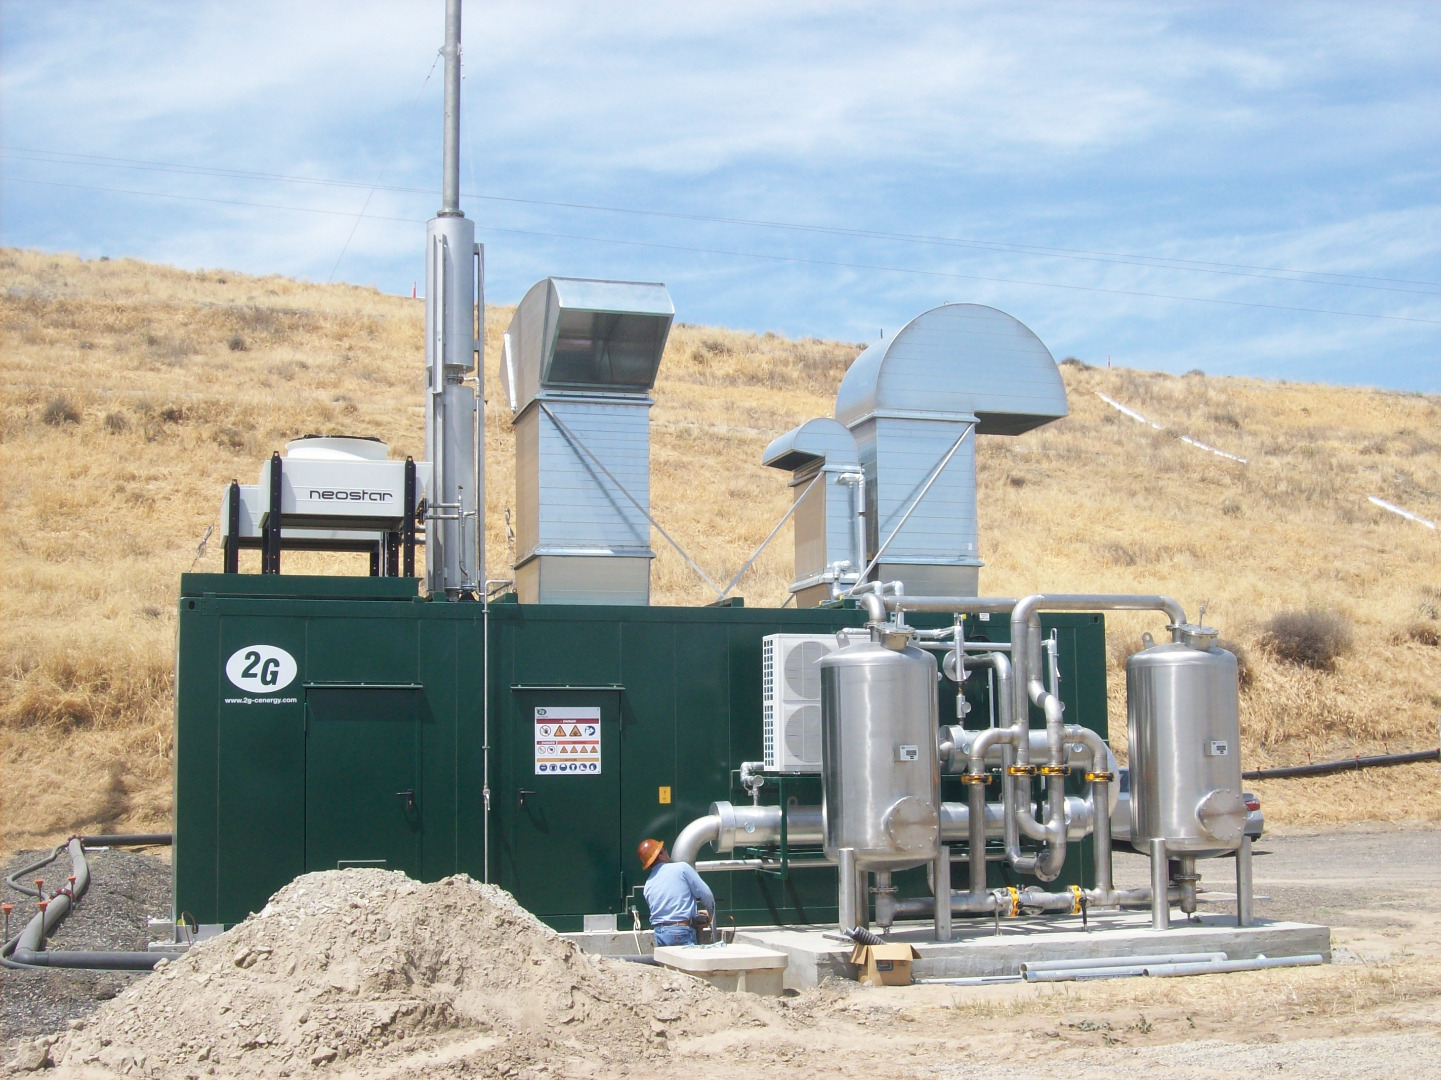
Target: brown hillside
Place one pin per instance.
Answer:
(132, 392)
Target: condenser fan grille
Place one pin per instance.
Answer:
(803, 678)
(803, 733)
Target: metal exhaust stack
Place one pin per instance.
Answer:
(454, 333)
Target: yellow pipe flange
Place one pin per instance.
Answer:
(1100, 777)
(1055, 770)
(1077, 898)
(1021, 770)
(1015, 901)
(976, 778)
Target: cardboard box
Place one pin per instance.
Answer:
(884, 965)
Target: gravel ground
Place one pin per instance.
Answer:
(1373, 1013)
(126, 888)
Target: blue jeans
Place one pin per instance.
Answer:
(675, 935)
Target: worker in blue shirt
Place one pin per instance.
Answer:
(678, 899)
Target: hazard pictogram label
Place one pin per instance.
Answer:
(567, 741)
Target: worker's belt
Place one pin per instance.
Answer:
(685, 923)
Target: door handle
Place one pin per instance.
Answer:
(520, 802)
(409, 796)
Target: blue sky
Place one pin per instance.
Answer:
(1138, 181)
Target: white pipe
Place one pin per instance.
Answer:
(1121, 961)
(1168, 971)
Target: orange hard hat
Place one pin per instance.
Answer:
(648, 852)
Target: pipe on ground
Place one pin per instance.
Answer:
(27, 948)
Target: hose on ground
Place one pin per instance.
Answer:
(25, 871)
(27, 948)
(144, 839)
(1327, 768)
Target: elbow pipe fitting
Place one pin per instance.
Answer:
(727, 824)
(1026, 649)
(701, 831)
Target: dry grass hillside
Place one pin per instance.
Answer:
(132, 392)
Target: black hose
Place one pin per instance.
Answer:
(25, 871)
(1326, 768)
(144, 839)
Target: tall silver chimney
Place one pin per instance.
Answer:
(454, 332)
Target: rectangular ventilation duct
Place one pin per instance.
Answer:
(579, 361)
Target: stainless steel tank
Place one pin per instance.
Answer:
(1182, 708)
(878, 754)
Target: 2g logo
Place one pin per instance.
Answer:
(261, 669)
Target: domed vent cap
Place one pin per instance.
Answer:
(957, 360)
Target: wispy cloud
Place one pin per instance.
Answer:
(1287, 135)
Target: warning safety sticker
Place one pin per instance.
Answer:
(567, 740)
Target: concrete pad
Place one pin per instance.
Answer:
(613, 942)
(736, 967)
(977, 950)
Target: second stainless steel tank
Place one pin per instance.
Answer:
(878, 753)
(1182, 708)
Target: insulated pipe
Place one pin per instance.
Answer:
(701, 831)
(1028, 686)
(968, 605)
(1026, 632)
(955, 742)
(729, 825)
(964, 903)
(977, 843)
(874, 606)
(1013, 735)
(1100, 802)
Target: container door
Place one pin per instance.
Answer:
(363, 800)
(565, 844)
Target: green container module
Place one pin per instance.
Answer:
(327, 722)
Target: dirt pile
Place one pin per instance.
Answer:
(373, 969)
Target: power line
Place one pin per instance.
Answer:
(394, 145)
(1351, 281)
(763, 256)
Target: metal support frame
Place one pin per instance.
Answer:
(849, 899)
(943, 892)
(270, 547)
(392, 554)
(407, 528)
(232, 533)
(1245, 897)
(1160, 886)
